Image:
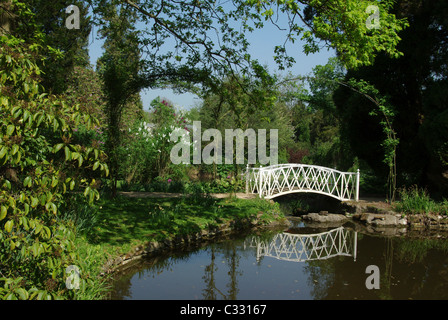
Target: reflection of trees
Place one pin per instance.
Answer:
(230, 252)
(386, 276)
(147, 268)
(321, 277)
(429, 276)
(233, 263)
(409, 268)
(209, 278)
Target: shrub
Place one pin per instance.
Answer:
(39, 165)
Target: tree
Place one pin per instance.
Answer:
(211, 37)
(414, 85)
(119, 67)
(63, 48)
(345, 26)
(256, 107)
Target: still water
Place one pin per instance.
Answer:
(297, 263)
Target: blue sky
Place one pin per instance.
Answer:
(262, 48)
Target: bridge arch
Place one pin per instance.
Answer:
(281, 179)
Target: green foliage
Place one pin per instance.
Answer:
(415, 84)
(315, 119)
(38, 165)
(415, 200)
(342, 24)
(145, 151)
(84, 87)
(386, 114)
(63, 48)
(241, 103)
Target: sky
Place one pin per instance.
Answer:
(262, 48)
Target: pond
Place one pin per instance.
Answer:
(300, 263)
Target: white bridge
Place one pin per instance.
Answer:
(277, 180)
(306, 247)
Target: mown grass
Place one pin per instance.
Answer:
(120, 224)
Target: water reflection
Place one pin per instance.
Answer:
(305, 247)
(292, 265)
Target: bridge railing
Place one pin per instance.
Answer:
(276, 180)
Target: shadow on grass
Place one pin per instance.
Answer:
(124, 219)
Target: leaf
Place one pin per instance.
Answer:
(25, 223)
(54, 208)
(47, 232)
(38, 228)
(58, 147)
(35, 249)
(80, 160)
(3, 151)
(26, 115)
(3, 212)
(91, 196)
(34, 202)
(7, 184)
(96, 165)
(10, 130)
(9, 225)
(15, 148)
(11, 296)
(27, 181)
(23, 294)
(4, 101)
(67, 153)
(86, 191)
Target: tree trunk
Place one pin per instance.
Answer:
(6, 18)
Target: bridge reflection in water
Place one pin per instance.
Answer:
(305, 247)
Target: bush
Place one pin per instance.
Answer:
(415, 200)
(39, 165)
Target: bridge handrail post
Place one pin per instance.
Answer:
(247, 179)
(260, 186)
(357, 185)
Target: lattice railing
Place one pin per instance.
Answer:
(270, 182)
(305, 247)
